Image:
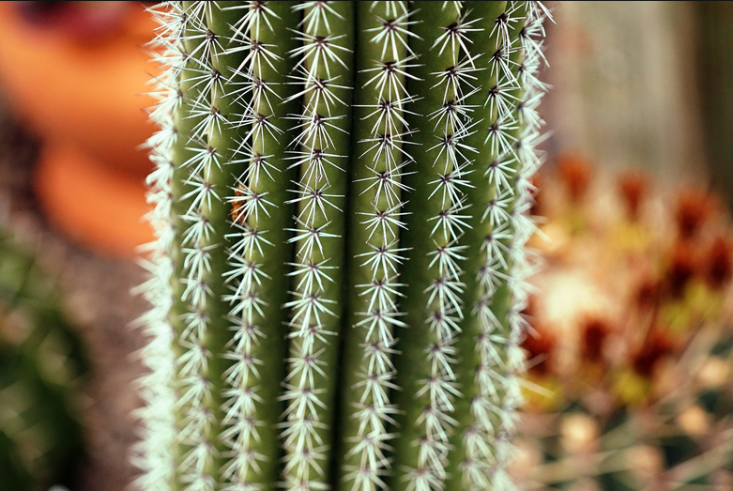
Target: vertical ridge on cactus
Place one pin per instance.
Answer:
(154, 453)
(435, 220)
(340, 196)
(323, 73)
(378, 167)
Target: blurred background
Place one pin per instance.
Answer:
(630, 375)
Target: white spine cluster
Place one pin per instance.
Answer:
(374, 411)
(197, 398)
(513, 137)
(249, 245)
(312, 322)
(153, 455)
(453, 123)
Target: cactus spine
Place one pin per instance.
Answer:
(340, 196)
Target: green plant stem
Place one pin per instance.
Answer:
(420, 448)
(188, 92)
(372, 315)
(326, 57)
(258, 246)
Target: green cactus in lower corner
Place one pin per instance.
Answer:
(41, 362)
(340, 196)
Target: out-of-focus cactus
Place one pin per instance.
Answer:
(636, 370)
(341, 197)
(41, 361)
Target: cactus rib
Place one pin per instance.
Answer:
(379, 163)
(323, 73)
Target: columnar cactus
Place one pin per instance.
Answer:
(340, 195)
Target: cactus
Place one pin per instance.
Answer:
(41, 361)
(340, 196)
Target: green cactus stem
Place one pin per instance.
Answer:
(329, 310)
(376, 190)
(436, 218)
(324, 72)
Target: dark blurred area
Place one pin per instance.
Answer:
(715, 79)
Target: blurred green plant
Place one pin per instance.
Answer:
(41, 362)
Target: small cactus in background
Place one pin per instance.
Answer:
(636, 371)
(341, 198)
(41, 361)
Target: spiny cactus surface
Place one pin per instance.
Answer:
(340, 196)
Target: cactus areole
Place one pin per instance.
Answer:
(341, 200)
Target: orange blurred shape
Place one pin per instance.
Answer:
(83, 93)
(238, 211)
(540, 345)
(693, 208)
(719, 266)
(633, 187)
(657, 345)
(575, 173)
(96, 206)
(648, 293)
(682, 269)
(594, 335)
